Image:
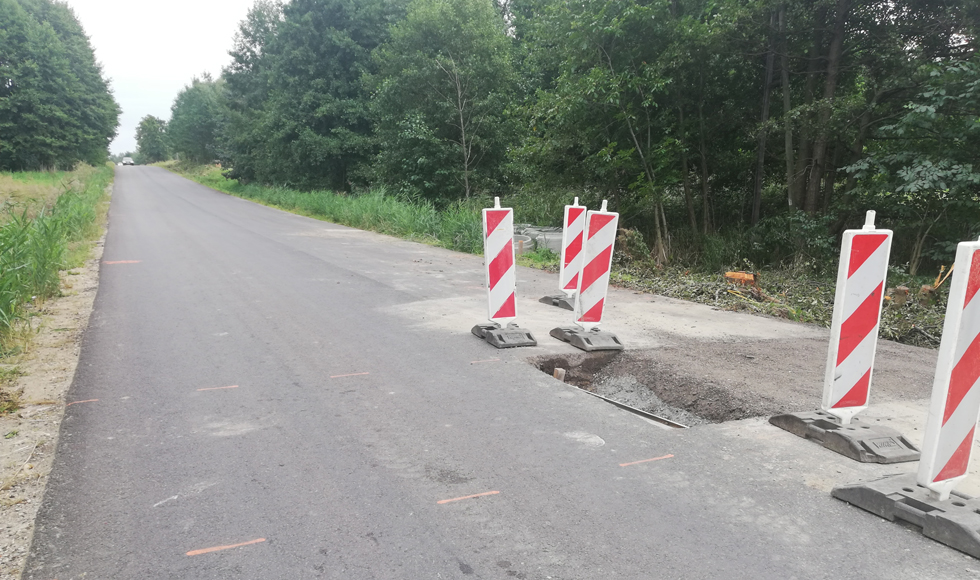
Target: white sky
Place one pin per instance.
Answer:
(150, 50)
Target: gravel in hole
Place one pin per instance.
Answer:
(629, 391)
(587, 371)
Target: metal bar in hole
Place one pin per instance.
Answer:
(639, 412)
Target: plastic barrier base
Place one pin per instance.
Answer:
(954, 522)
(510, 336)
(559, 300)
(867, 443)
(587, 340)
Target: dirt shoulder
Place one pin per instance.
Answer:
(28, 437)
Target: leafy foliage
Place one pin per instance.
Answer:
(926, 172)
(444, 81)
(152, 140)
(193, 127)
(55, 107)
(296, 80)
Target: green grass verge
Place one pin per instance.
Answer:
(795, 293)
(36, 243)
(456, 227)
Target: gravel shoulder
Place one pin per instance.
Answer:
(30, 435)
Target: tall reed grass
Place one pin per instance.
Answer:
(37, 242)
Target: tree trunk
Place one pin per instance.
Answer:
(659, 253)
(465, 142)
(705, 192)
(760, 166)
(787, 121)
(857, 150)
(827, 106)
(803, 160)
(682, 138)
(685, 174)
(830, 177)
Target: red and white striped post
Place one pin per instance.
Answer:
(572, 237)
(955, 406)
(600, 237)
(857, 313)
(498, 252)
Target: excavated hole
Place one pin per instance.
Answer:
(640, 381)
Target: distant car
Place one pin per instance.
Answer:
(128, 161)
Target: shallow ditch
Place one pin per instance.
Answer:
(640, 380)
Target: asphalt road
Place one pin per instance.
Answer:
(259, 378)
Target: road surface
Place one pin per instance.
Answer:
(310, 394)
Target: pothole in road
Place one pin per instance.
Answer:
(638, 380)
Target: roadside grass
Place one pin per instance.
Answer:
(35, 190)
(41, 234)
(798, 292)
(457, 227)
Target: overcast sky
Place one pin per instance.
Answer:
(150, 50)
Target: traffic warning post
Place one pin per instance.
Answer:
(955, 406)
(857, 313)
(593, 284)
(570, 265)
(501, 276)
(923, 498)
(850, 358)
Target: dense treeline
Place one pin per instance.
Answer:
(56, 108)
(723, 131)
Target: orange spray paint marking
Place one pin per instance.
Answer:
(484, 361)
(123, 262)
(217, 388)
(77, 402)
(645, 460)
(219, 548)
(468, 496)
(350, 375)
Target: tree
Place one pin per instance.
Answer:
(96, 111)
(640, 90)
(151, 140)
(925, 171)
(296, 80)
(444, 82)
(247, 87)
(194, 118)
(55, 107)
(851, 67)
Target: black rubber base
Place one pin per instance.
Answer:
(511, 336)
(559, 300)
(587, 340)
(864, 442)
(954, 522)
